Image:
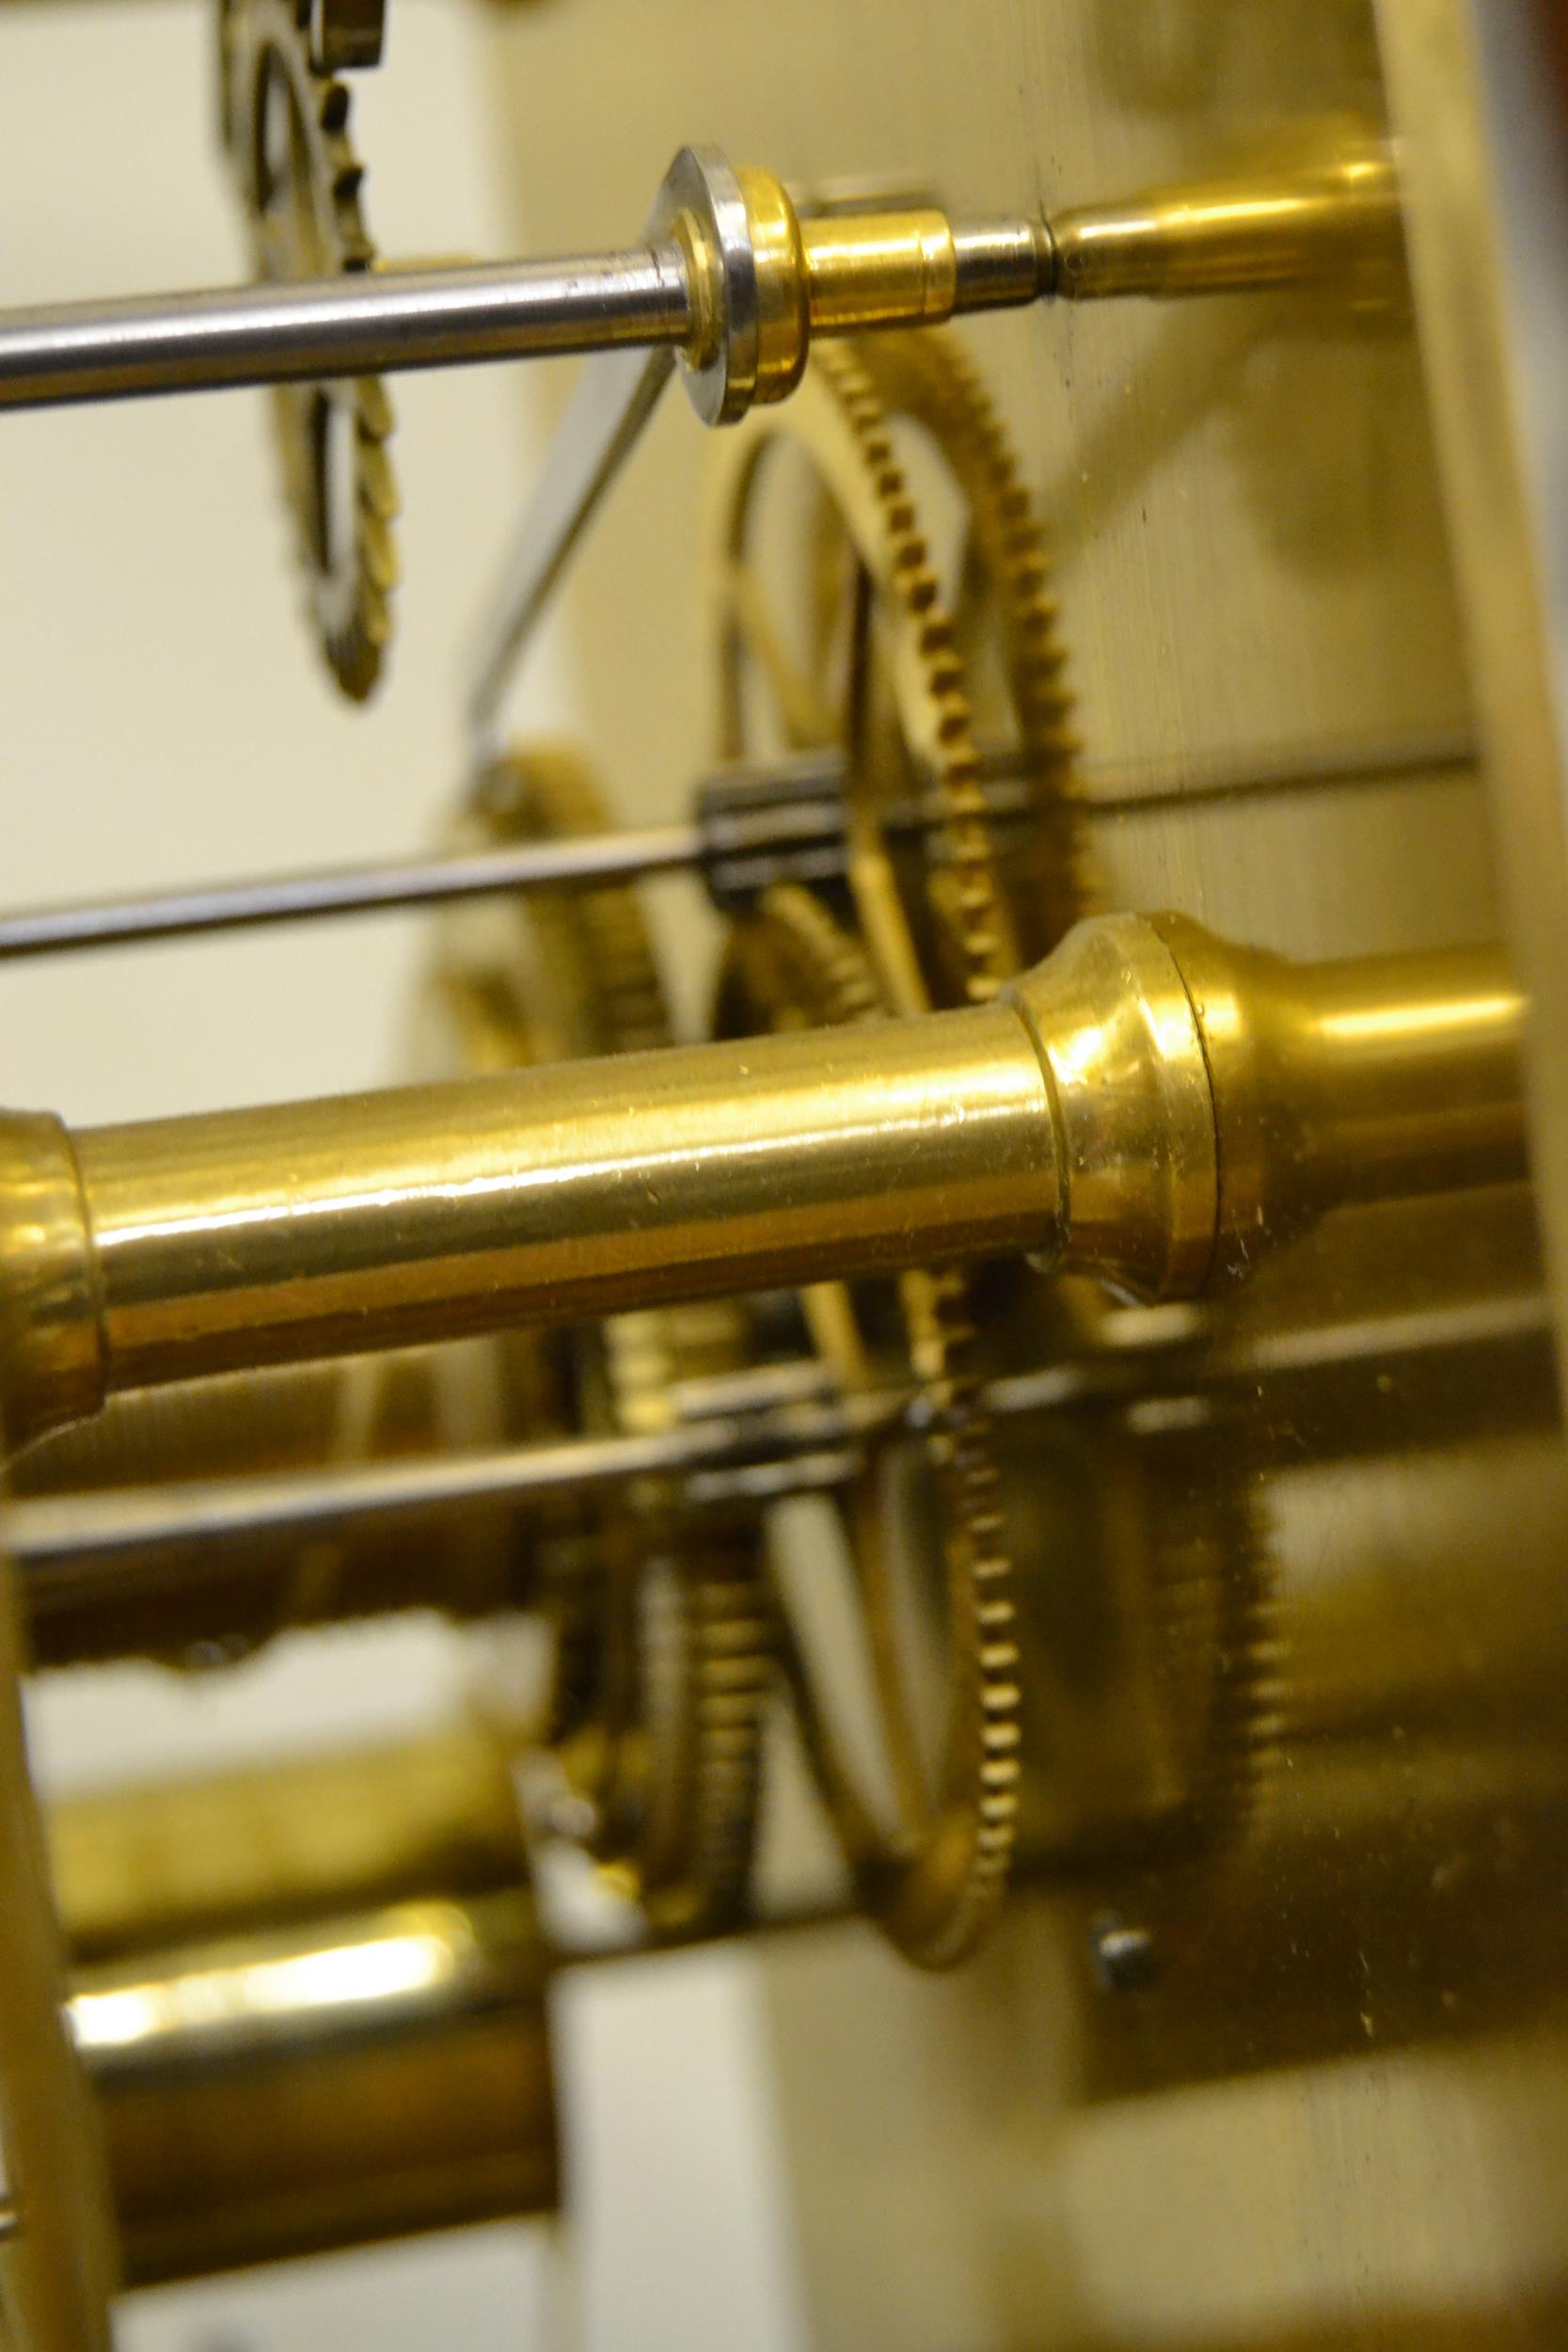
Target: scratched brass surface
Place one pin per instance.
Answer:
(1271, 2053)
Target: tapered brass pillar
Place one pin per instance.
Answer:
(1144, 1106)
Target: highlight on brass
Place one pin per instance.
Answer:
(936, 1351)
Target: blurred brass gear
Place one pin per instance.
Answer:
(707, 1650)
(936, 1880)
(670, 1640)
(285, 127)
(794, 962)
(664, 1651)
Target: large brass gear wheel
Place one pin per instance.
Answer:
(914, 714)
(896, 640)
(1002, 599)
(662, 1625)
(286, 126)
(900, 711)
(934, 1876)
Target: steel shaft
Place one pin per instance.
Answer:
(754, 826)
(353, 326)
(70, 1546)
(741, 295)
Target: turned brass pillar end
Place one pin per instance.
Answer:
(52, 1360)
(1210, 1102)
(1122, 1051)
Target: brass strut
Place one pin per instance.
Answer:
(1148, 1106)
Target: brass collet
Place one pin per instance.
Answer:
(1148, 1105)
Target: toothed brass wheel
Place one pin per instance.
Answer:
(875, 665)
(1006, 619)
(661, 1622)
(287, 130)
(930, 1858)
(904, 612)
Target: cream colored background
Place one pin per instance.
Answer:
(163, 720)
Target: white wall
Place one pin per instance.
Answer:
(162, 719)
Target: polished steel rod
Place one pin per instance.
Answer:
(380, 888)
(57, 1541)
(392, 884)
(52, 1537)
(352, 325)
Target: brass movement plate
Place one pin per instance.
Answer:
(1270, 2055)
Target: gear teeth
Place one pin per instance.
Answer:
(672, 1772)
(355, 660)
(373, 404)
(827, 972)
(824, 971)
(1217, 1609)
(310, 232)
(812, 970)
(377, 553)
(376, 626)
(378, 488)
(929, 378)
(984, 945)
